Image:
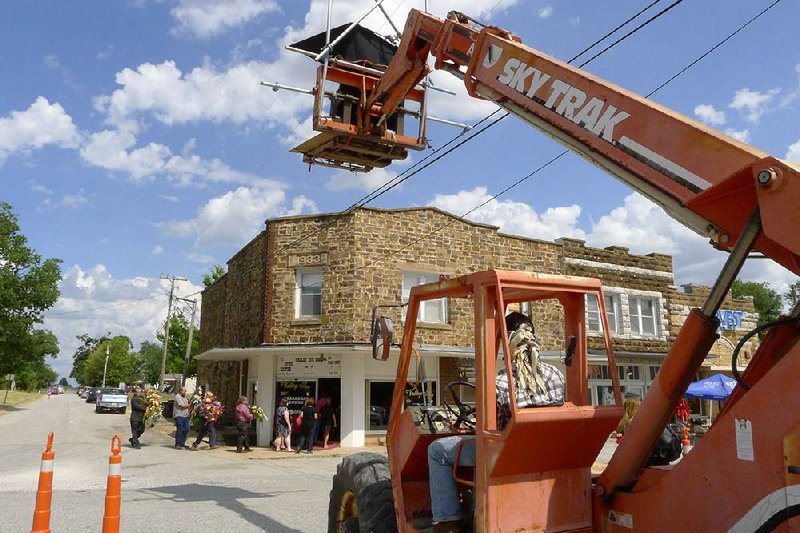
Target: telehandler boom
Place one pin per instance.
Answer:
(534, 475)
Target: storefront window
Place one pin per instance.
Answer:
(379, 402)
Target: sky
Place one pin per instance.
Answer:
(136, 141)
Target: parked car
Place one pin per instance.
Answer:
(52, 390)
(109, 399)
(91, 396)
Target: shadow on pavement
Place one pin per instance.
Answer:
(227, 497)
(10, 408)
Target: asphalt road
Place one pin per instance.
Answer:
(163, 489)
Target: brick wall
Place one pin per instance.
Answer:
(691, 296)
(626, 275)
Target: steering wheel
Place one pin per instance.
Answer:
(464, 413)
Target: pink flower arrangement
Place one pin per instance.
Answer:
(208, 406)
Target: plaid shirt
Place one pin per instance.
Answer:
(552, 395)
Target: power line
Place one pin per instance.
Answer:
(413, 170)
(558, 156)
(609, 34)
(637, 28)
(710, 50)
(128, 302)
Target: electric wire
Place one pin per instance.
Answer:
(555, 158)
(405, 175)
(609, 34)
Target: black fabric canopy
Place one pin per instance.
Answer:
(358, 45)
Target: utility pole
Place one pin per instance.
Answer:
(105, 368)
(189, 343)
(172, 280)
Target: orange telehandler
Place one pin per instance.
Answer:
(535, 473)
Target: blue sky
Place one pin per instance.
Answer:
(135, 140)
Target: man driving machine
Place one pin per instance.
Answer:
(536, 384)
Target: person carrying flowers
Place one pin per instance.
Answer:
(208, 410)
(243, 418)
(138, 407)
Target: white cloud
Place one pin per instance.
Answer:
(740, 135)
(135, 307)
(202, 259)
(752, 103)
(114, 150)
(157, 250)
(40, 125)
(209, 93)
(545, 11)
(793, 153)
(369, 181)
(575, 21)
(38, 187)
(169, 198)
(513, 217)
(708, 114)
(237, 216)
(68, 201)
(206, 18)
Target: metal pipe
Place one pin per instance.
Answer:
(389, 19)
(733, 264)
(687, 354)
(328, 47)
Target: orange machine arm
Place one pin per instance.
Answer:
(706, 180)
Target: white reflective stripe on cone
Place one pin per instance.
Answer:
(47, 465)
(115, 469)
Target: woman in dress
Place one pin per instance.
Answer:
(283, 442)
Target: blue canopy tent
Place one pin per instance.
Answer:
(717, 387)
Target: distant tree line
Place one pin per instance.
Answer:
(125, 365)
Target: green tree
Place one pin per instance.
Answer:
(149, 361)
(121, 362)
(217, 271)
(151, 353)
(765, 299)
(34, 372)
(792, 296)
(28, 287)
(88, 345)
(63, 382)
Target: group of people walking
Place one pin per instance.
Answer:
(315, 419)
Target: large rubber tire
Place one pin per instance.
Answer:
(96, 409)
(365, 477)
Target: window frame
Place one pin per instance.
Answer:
(636, 318)
(298, 295)
(615, 308)
(405, 293)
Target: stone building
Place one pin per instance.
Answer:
(291, 318)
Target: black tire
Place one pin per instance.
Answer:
(123, 410)
(366, 478)
(96, 409)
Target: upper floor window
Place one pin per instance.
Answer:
(613, 313)
(308, 299)
(644, 319)
(432, 311)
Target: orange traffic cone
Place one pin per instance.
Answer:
(44, 494)
(113, 498)
(686, 444)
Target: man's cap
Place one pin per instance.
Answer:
(515, 319)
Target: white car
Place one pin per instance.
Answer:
(111, 400)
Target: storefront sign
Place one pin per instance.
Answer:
(729, 319)
(295, 393)
(309, 366)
